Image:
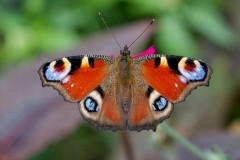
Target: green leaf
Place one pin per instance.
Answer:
(175, 38)
(209, 22)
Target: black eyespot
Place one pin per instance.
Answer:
(59, 63)
(190, 62)
(91, 105)
(159, 104)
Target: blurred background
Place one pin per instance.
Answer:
(37, 124)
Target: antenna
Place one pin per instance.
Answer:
(153, 20)
(100, 15)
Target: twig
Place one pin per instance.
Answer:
(187, 144)
(127, 145)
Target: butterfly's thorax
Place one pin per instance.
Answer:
(123, 81)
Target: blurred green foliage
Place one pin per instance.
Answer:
(85, 143)
(31, 27)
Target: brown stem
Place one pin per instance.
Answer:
(124, 135)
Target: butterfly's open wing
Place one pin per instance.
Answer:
(174, 76)
(85, 79)
(161, 81)
(148, 108)
(100, 106)
(74, 77)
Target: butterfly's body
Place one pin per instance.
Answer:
(123, 81)
(123, 92)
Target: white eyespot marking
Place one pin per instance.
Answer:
(66, 79)
(72, 85)
(183, 79)
(52, 64)
(176, 85)
(195, 73)
(157, 102)
(160, 107)
(67, 64)
(52, 74)
(154, 95)
(85, 62)
(91, 104)
(182, 62)
(94, 94)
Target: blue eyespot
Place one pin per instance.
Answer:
(159, 104)
(197, 74)
(50, 76)
(91, 105)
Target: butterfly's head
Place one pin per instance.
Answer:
(125, 51)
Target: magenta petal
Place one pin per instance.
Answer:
(111, 56)
(151, 50)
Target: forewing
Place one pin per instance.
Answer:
(75, 77)
(174, 76)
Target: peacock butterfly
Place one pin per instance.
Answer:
(134, 93)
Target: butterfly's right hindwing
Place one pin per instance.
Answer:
(100, 107)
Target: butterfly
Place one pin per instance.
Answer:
(125, 93)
